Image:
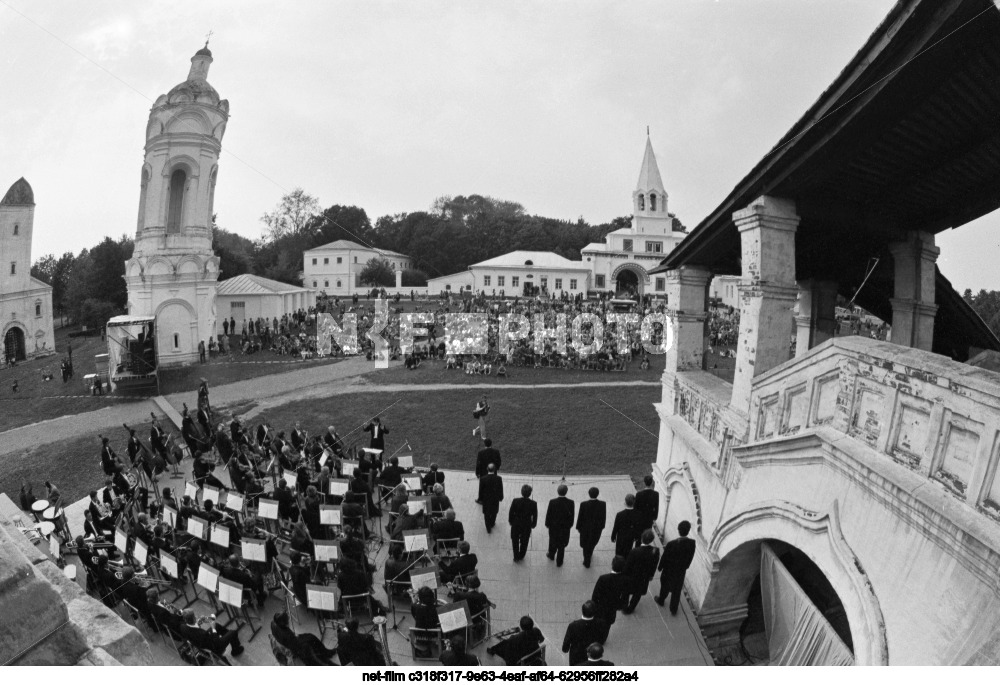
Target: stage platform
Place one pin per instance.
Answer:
(535, 586)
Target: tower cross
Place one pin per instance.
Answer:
(208, 37)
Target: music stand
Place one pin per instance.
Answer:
(414, 485)
(231, 594)
(454, 617)
(322, 600)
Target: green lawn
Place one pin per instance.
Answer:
(535, 429)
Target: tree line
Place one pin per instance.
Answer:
(454, 233)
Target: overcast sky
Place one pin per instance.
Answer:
(388, 105)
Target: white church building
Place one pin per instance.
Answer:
(173, 272)
(25, 301)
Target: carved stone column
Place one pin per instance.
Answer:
(913, 308)
(767, 292)
(816, 321)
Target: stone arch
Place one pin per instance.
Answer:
(641, 276)
(188, 265)
(159, 266)
(188, 121)
(17, 344)
(176, 317)
(181, 161)
(678, 479)
(818, 536)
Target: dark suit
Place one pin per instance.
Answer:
(559, 520)
(590, 522)
(640, 567)
(676, 559)
(610, 594)
(448, 530)
(378, 432)
(627, 528)
(490, 496)
(487, 456)
(582, 633)
(647, 503)
(599, 662)
(459, 566)
(523, 517)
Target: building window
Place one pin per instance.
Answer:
(13, 268)
(486, 280)
(237, 308)
(515, 281)
(500, 280)
(545, 281)
(642, 202)
(660, 284)
(326, 284)
(338, 284)
(394, 266)
(38, 309)
(572, 284)
(17, 229)
(627, 245)
(355, 260)
(177, 341)
(652, 202)
(654, 246)
(340, 260)
(314, 284)
(314, 261)
(326, 260)
(599, 281)
(448, 287)
(175, 201)
(558, 284)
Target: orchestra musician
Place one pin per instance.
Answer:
(457, 656)
(440, 502)
(101, 515)
(138, 454)
(360, 485)
(521, 644)
(464, 564)
(166, 615)
(298, 438)
(157, 438)
(235, 571)
(305, 647)
(378, 433)
(424, 610)
(215, 639)
(333, 441)
(358, 649)
(300, 575)
(109, 459)
(392, 475)
(448, 528)
(432, 478)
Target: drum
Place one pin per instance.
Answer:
(46, 528)
(37, 507)
(51, 514)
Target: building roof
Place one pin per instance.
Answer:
(39, 283)
(20, 193)
(903, 139)
(452, 277)
(248, 284)
(541, 260)
(649, 174)
(351, 245)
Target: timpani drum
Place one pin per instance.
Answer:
(39, 506)
(51, 514)
(46, 528)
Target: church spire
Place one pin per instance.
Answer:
(649, 174)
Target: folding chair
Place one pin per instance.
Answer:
(292, 603)
(426, 644)
(353, 603)
(167, 634)
(446, 547)
(536, 658)
(481, 628)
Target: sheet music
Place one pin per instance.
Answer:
(220, 535)
(326, 551)
(141, 552)
(196, 527)
(168, 564)
(170, 516)
(230, 592)
(339, 486)
(54, 547)
(415, 541)
(413, 483)
(330, 515)
(234, 501)
(290, 477)
(254, 550)
(371, 450)
(425, 577)
(191, 490)
(121, 540)
(323, 457)
(417, 505)
(210, 493)
(453, 617)
(320, 597)
(267, 509)
(208, 577)
(347, 467)
(405, 461)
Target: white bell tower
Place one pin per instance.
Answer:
(173, 272)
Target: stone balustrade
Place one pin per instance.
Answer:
(936, 417)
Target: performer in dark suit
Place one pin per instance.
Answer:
(457, 656)
(448, 528)
(523, 518)
(559, 520)
(647, 503)
(590, 522)
(595, 656)
(520, 645)
(464, 564)
(584, 632)
(490, 496)
(488, 455)
(378, 432)
(676, 559)
(610, 592)
(640, 567)
(627, 527)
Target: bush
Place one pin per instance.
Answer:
(414, 278)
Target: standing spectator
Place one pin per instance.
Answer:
(559, 520)
(640, 567)
(627, 527)
(647, 504)
(490, 496)
(677, 557)
(584, 632)
(590, 523)
(523, 518)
